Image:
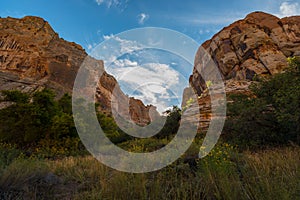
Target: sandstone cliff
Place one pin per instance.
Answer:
(32, 57)
(258, 45)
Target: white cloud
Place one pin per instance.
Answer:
(142, 18)
(114, 47)
(89, 46)
(157, 73)
(112, 3)
(150, 83)
(204, 31)
(125, 63)
(107, 37)
(126, 46)
(99, 2)
(289, 9)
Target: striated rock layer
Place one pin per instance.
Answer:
(32, 57)
(258, 45)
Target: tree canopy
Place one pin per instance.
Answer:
(272, 116)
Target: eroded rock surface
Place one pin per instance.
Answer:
(32, 57)
(258, 45)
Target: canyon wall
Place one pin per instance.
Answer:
(33, 57)
(258, 45)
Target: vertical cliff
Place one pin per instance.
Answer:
(258, 45)
(32, 57)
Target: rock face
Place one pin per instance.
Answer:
(258, 45)
(32, 57)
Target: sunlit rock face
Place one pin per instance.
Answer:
(32, 57)
(258, 45)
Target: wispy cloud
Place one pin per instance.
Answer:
(142, 18)
(289, 9)
(108, 3)
(113, 48)
(125, 63)
(204, 31)
(112, 3)
(125, 46)
(89, 46)
(212, 20)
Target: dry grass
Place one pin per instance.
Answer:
(271, 174)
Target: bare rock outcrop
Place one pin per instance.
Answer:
(258, 45)
(32, 57)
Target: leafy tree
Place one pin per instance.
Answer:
(15, 96)
(111, 129)
(15, 123)
(65, 103)
(62, 127)
(46, 106)
(172, 123)
(272, 116)
(27, 122)
(250, 123)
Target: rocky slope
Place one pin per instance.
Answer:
(32, 57)
(258, 45)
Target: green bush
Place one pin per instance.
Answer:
(271, 117)
(8, 153)
(27, 124)
(15, 96)
(111, 129)
(172, 123)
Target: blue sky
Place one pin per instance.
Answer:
(86, 21)
(89, 22)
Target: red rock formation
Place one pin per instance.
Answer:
(32, 57)
(258, 45)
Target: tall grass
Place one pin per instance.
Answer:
(270, 174)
